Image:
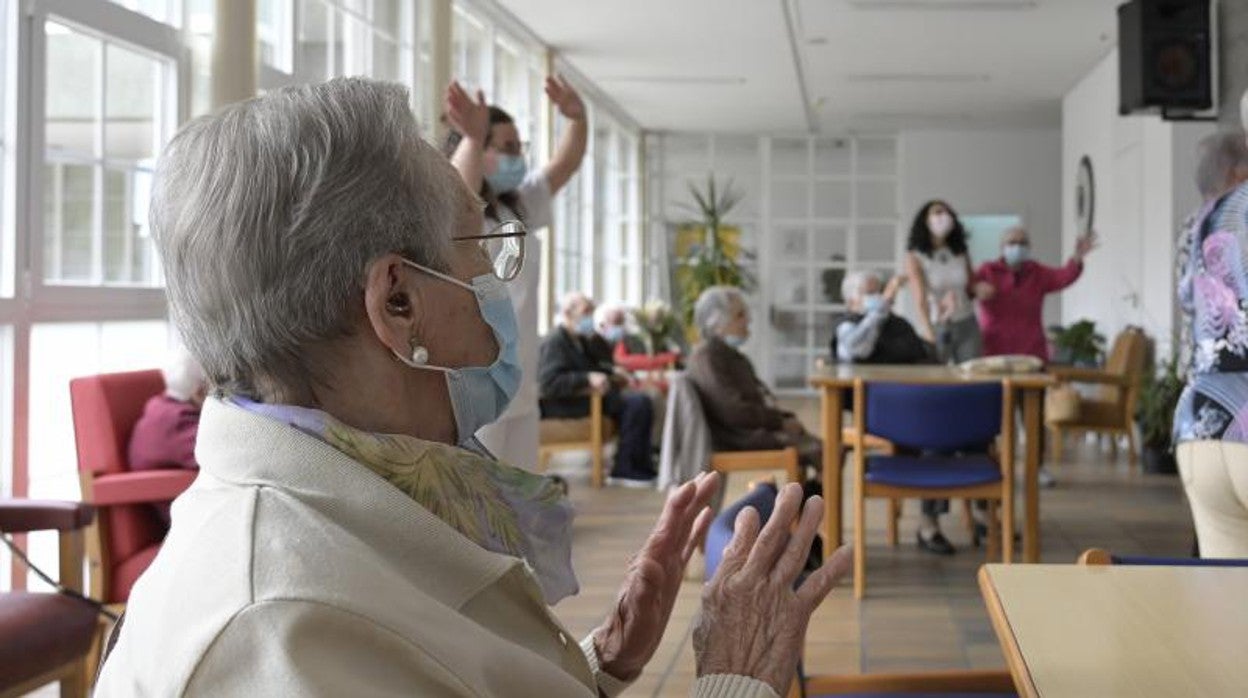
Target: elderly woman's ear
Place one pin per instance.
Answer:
(390, 301)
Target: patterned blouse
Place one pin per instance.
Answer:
(1213, 295)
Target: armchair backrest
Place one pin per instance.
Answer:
(1127, 357)
(934, 417)
(105, 408)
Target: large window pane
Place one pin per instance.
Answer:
(59, 352)
(313, 52)
(273, 20)
(133, 86)
(108, 108)
(73, 91)
(469, 46)
(7, 239)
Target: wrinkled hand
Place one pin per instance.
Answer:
(628, 638)
(1085, 244)
(565, 98)
(984, 291)
(947, 305)
(468, 116)
(753, 621)
(599, 382)
(793, 426)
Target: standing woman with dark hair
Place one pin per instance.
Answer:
(939, 268)
(940, 272)
(485, 148)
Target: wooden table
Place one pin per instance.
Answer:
(831, 381)
(1104, 630)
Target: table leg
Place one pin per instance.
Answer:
(830, 400)
(1031, 474)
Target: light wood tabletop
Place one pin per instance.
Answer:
(832, 380)
(1105, 630)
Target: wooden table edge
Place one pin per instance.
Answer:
(1005, 636)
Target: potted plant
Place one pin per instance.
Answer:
(655, 324)
(1078, 345)
(709, 263)
(1159, 396)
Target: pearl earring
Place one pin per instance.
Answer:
(420, 355)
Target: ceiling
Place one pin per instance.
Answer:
(828, 65)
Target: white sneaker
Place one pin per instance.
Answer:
(1046, 478)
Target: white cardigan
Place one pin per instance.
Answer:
(293, 570)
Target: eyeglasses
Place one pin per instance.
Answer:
(503, 247)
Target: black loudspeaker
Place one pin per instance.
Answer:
(1165, 56)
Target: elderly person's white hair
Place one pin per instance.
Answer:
(268, 213)
(573, 300)
(713, 308)
(610, 314)
(1219, 156)
(854, 283)
(183, 376)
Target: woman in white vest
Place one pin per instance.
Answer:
(486, 149)
(345, 536)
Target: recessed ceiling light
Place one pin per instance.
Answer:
(678, 79)
(930, 5)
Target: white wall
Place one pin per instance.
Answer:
(989, 172)
(1143, 172)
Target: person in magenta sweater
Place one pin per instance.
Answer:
(1011, 292)
(164, 436)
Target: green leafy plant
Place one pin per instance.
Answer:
(708, 263)
(1159, 396)
(656, 324)
(1079, 344)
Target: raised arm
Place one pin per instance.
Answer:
(471, 119)
(918, 288)
(571, 148)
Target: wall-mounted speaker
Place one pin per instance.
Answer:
(1166, 61)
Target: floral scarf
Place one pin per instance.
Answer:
(497, 506)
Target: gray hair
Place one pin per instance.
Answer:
(712, 308)
(1218, 156)
(854, 282)
(268, 213)
(182, 374)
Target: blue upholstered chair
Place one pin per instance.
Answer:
(932, 684)
(945, 437)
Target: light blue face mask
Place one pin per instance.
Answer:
(1016, 254)
(585, 326)
(736, 341)
(479, 394)
(873, 302)
(614, 334)
(510, 173)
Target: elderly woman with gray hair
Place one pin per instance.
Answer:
(346, 535)
(740, 411)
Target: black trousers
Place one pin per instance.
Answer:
(634, 413)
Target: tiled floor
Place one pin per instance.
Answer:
(921, 612)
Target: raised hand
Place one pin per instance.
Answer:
(1086, 243)
(565, 98)
(468, 116)
(753, 621)
(628, 637)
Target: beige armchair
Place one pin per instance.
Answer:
(1111, 410)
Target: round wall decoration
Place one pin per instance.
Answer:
(1085, 196)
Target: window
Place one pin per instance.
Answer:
(471, 62)
(351, 37)
(8, 242)
(107, 115)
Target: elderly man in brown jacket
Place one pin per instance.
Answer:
(740, 410)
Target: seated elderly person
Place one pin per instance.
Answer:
(347, 536)
(870, 333)
(740, 411)
(575, 361)
(629, 352)
(164, 435)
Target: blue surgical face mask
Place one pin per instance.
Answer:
(873, 302)
(1016, 254)
(736, 341)
(479, 394)
(510, 173)
(613, 334)
(585, 326)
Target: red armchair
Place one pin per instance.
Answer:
(128, 532)
(45, 637)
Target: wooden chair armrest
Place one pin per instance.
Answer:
(25, 515)
(1077, 374)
